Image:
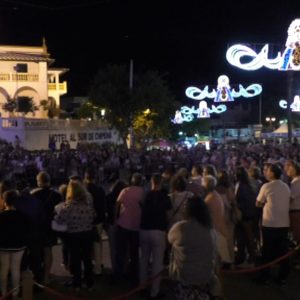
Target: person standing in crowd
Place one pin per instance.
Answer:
(167, 176)
(153, 232)
(14, 230)
(217, 211)
(178, 197)
(5, 185)
(245, 198)
(48, 198)
(128, 220)
(293, 172)
(193, 259)
(115, 189)
(98, 196)
(194, 184)
(78, 216)
(210, 170)
(226, 191)
(63, 236)
(274, 197)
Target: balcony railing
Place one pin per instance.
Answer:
(19, 77)
(58, 86)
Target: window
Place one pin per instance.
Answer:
(21, 68)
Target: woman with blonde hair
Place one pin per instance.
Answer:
(78, 215)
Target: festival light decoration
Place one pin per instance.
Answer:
(224, 92)
(295, 106)
(188, 114)
(245, 58)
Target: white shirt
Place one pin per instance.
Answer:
(295, 194)
(275, 195)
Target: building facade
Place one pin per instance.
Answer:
(25, 72)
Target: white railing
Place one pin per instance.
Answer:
(19, 77)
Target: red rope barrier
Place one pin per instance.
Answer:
(139, 288)
(244, 271)
(262, 267)
(57, 294)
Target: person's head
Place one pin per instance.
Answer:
(293, 170)
(210, 170)
(273, 172)
(156, 181)
(10, 198)
(241, 175)
(195, 208)
(209, 183)
(178, 184)
(6, 185)
(223, 179)
(183, 172)
(76, 192)
(168, 173)
(43, 179)
(75, 178)
(89, 175)
(196, 170)
(254, 172)
(287, 164)
(136, 179)
(265, 169)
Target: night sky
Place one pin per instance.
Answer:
(186, 40)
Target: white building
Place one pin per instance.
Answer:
(25, 71)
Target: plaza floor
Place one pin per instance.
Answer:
(236, 287)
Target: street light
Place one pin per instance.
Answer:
(270, 120)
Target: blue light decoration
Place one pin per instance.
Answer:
(224, 92)
(295, 106)
(288, 60)
(188, 114)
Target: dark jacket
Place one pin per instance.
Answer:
(48, 199)
(14, 230)
(98, 196)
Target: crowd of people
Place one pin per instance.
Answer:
(198, 211)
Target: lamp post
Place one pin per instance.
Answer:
(270, 120)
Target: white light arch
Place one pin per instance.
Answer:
(223, 92)
(288, 60)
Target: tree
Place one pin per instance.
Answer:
(10, 105)
(25, 105)
(22, 104)
(125, 108)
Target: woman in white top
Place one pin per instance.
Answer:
(193, 259)
(293, 172)
(178, 197)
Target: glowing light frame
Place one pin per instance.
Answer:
(248, 92)
(288, 60)
(223, 93)
(186, 114)
(295, 106)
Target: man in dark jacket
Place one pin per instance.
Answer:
(98, 197)
(48, 198)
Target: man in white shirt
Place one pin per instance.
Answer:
(274, 197)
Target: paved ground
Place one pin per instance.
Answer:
(236, 287)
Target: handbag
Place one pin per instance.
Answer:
(58, 227)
